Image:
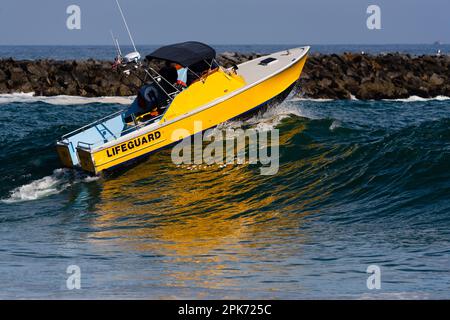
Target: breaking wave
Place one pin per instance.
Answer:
(419, 99)
(409, 99)
(267, 120)
(60, 180)
(29, 97)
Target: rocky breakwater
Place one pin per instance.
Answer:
(388, 76)
(87, 78)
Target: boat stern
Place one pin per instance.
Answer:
(86, 160)
(65, 156)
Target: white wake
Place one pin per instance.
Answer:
(267, 120)
(60, 180)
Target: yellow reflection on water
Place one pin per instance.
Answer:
(209, 219)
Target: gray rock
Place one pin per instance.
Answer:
(436, 80)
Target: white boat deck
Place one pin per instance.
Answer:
(253, 71)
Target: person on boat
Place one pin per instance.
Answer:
(155, 111)
(170, 74)
(182, 75)
(147, 102)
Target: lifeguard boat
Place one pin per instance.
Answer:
(202, 90)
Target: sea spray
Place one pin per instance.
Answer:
(58, 181)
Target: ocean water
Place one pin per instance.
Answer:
(109, 52)
(360, 183)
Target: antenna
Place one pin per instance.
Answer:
(126, 25)
(116, 44)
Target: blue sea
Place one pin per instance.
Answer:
(360, 183)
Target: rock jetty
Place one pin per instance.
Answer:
(335, 76)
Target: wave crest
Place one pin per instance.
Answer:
(57, 182)
(29, 97)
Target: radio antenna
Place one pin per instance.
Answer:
(126, 25)
(116, 44)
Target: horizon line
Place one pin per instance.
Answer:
(231, 44)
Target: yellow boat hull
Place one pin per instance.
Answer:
(243, 102)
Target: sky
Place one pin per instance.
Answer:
(43, 22)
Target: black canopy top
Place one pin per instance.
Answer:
(185, 53)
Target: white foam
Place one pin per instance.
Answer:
(39, 188)
(59, 181)
(274, 115)
(262, 121)
(335, 124)
(310, 99)
(90, 179)
(265, 121)
(29, 97)
(419, 99)
(353, 98)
